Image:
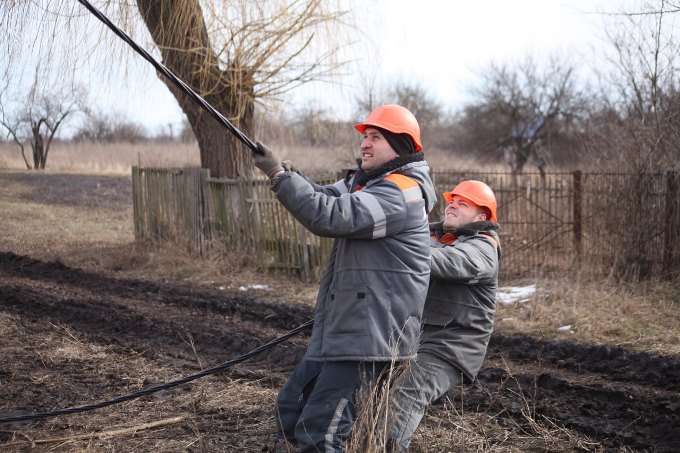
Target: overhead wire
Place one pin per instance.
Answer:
(176, 80)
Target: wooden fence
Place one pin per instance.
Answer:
(563, 222)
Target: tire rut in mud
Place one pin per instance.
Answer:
(620, 398)
(157, 320)
(616, 362)
(615, 416)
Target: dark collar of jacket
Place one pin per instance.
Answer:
(361, 178)
(470, 229)
(485, 227)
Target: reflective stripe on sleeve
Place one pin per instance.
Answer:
(377, 212)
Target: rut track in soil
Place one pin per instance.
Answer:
(617, 397)
(145, 316)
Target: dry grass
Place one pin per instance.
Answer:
(102, 158)
(36, 228)
(323, 160)
(118, 159)
(641, 317)
(452, 429)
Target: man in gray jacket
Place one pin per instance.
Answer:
(371, 296)
(459, 310)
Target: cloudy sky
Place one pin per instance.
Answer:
(441, 45)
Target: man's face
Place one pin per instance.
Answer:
(461, 211)
(375, 150)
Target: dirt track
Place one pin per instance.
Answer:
(124, 335)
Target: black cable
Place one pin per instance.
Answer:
(159, 387)
(167, 73)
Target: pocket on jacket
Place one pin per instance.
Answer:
(438, 312)
(347, 311)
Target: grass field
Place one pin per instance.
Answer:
(75, 218)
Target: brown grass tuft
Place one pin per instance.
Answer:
(641, 317)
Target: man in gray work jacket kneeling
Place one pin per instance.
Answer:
(459, 309)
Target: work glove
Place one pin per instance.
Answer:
(266, 161)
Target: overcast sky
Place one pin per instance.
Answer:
(442, 45)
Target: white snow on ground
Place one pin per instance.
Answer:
(511, 294)
(520, 295)
(246, 288)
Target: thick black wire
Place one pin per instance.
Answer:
(159, 387)
(178, 82)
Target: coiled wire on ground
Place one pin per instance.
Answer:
(159, 387)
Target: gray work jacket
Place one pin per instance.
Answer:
(461, 299)
(371, 296)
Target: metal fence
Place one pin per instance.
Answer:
(562, 222)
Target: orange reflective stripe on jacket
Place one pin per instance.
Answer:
(402, 181)
(407, 185)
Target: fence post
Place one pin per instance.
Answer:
(236, 202)
(137, 209)
(578, 211)
(671, 220)
(199, 209)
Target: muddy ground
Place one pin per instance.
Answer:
(73, 337)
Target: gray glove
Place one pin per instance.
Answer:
(266, 161)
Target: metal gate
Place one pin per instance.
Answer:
(538, 232)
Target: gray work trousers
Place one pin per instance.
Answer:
(316, 407)
(427, 380)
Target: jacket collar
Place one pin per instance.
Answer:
(362, 178)
(470, 229)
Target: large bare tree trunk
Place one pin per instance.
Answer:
(179, 31)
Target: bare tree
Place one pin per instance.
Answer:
(36, 120)
(370, 92)
(314, 125)
(231, 53)
(416, 98)
(636, 129)
(641, 90)
(109, 127)
(520, 110)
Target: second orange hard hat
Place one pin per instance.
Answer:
(477, 192)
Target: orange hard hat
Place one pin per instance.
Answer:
(477, 192)
(394, 118)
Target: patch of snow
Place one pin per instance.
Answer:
(512, 294)
(246, 288)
